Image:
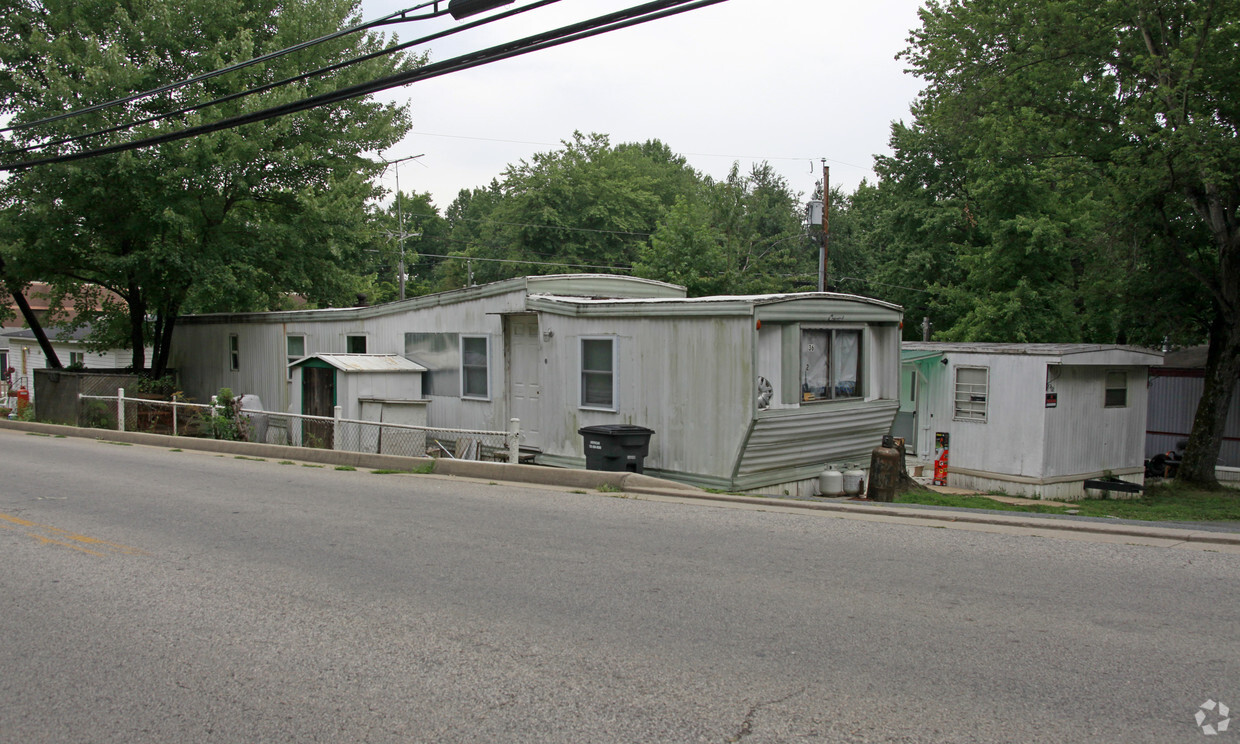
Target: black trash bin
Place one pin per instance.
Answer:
(616, 447)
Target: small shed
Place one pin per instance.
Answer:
(1027, 419)
(383, 388)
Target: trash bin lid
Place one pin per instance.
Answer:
(615, 429)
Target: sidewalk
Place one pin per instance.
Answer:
(1225, 534)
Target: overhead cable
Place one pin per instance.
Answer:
(397, 17)
(280, 83)
(575, 32)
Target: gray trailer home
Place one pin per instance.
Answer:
(1027, 419)
(749, 393)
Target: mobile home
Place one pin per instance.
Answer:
(748, 393)
(1026, 419)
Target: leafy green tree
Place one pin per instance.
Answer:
(232, 220)
(1070, 108)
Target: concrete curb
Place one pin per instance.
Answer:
(593, 479)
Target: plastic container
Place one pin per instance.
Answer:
(616, 447)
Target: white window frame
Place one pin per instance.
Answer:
(582, 371)
(290, 358)
(830, 394)
(486, 367)
(1107, 388)
(76, 357)
(234, 352)
(969, 411)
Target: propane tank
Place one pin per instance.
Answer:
(831, 482)
(884, 471)
(854, 481)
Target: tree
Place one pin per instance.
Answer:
(233, 220)
(1135, 100)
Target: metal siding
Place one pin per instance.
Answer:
(1173, 406)
(1010, 440)
(1084, 436)
(816, 435)
(688, 379)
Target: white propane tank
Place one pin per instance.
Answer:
(831, 482)
(854, 482)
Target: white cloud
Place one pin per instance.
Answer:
(789, 81)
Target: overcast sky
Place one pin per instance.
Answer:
(787, 81)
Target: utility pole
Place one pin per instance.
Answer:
(400, 219)
(826, 225)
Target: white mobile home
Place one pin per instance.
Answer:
(1027, 419)
(743, 392)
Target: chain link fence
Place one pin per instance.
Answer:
(218, 421)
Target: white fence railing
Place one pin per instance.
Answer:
(215, 421)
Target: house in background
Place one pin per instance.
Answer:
(1175, 391)
(1027, 419)
(20, 350)
(750, 393)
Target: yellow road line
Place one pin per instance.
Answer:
(8, 521)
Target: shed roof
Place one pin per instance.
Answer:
(1072, 354)
(364, 362)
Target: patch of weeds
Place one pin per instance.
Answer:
(286, 462)
(243, 457)
(425, 468)
(492, 483)
(577, 490)
(37, 434)
(346, 468)
(118, 444)
(176, 449)
(388, 472)
(62, 436)
(310, 465)
(609, 488)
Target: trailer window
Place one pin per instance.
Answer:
(1116, 394)
(475, 362)
(598, 373)
(830, 364)
(972, 390)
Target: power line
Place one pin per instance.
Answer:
(529, 263)
(575, 32)
(232, 68)
(541, 227)
(279, 83)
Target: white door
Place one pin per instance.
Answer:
(524, 365)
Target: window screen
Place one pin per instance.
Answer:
(1116, 395)
(598, 373)
(474, 363)
(971, 393)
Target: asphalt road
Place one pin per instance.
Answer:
(149, 595)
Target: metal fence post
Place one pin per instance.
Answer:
(514, 441)
(174, 418)
(120, 409)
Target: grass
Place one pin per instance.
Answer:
(243, 457)
(286, 462)
(423, 469)
(1163, 502)
(608, 488)
(346, 467)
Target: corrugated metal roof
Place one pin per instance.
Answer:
(365, 362)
